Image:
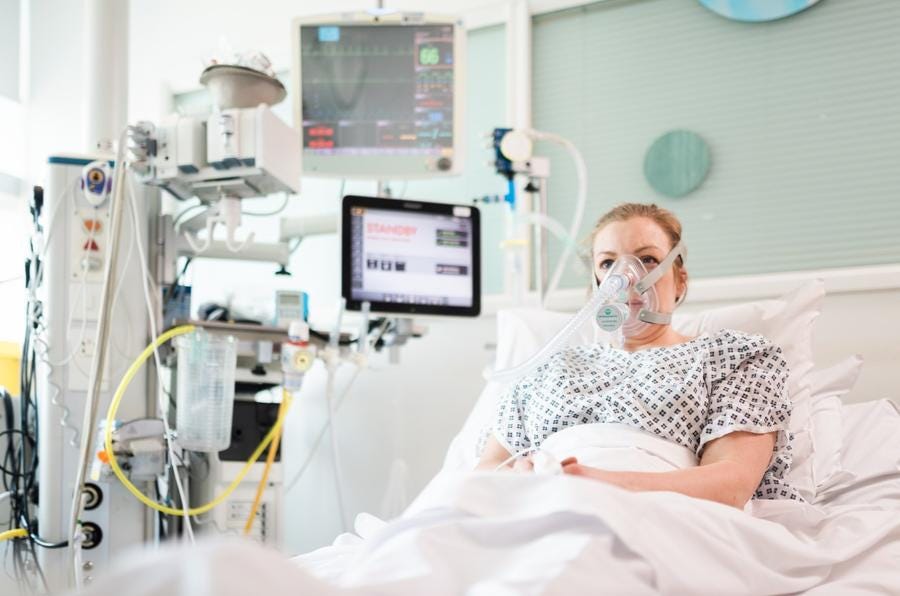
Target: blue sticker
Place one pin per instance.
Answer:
(330, 33)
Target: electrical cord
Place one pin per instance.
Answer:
(19, 469)
(10, 534)
(373, 324)
(331, 366)
(276, 211)
(270, 459)
(321, 435)
(153, 334)
(184, 213)
(173, 287)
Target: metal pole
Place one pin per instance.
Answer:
(543, 258)
(105, 72)
(101, 340)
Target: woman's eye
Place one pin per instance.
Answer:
(648, 260)
(605, 264)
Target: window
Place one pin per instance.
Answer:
(9, 48)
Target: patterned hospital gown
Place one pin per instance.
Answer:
(690, 393)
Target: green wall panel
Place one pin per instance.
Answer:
(802, 117)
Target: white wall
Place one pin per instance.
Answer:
(868, 324)
(55, 83)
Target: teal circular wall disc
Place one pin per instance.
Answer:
(676, 163)
(757, 11)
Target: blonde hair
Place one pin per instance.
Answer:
(665, 219)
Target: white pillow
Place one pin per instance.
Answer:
(838, 379)
(871, 442)
(870, 456)
(786, 321)
(828, 387)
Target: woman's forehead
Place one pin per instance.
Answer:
(629, 236)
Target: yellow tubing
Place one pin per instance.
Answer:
(111, 416)
(10, 534)
(270, 458)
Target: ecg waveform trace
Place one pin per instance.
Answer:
(377, 89)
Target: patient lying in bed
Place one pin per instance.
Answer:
(712, 410)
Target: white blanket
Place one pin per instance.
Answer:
(506, 533)
(534, 534)
(612, 446)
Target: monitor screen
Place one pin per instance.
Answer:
(378, 99)
(411, 256)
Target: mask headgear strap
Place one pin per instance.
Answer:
(651, 278)
(657, 318)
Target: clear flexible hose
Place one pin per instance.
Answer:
(611, 286)
(580, 202)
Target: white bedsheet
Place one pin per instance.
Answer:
(533, 534)
(527, 534)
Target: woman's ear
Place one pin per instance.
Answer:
(681, 285)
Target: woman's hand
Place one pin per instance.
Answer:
(495, 457)
(523, 464)
(571, 466)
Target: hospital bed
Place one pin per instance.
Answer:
(545, 534)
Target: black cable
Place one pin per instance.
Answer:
(170, 294)
(14, 470)
(160, 528)
(45, 544)
(3, 467)
(8, 415)
(20, 465)
(326, 336)
(37, 565)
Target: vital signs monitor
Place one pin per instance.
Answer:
(379, 95)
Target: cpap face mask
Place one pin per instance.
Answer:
(636, 306)
(623, 302)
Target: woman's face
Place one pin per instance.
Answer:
(647, 241)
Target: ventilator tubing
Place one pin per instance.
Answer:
(610, 287)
